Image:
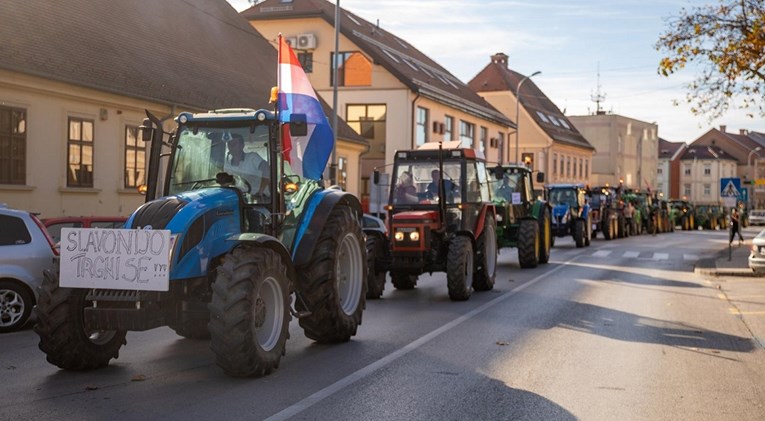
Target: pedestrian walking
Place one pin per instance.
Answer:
(735, 227)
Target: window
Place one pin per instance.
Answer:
(448, 128)
(707, 170)
(568, 166)
(13, 145)
(353, 69)
(14, 231)
(687, 170)
(135, 159)
(555, 164)
(707, 189)
(421, 131)
(368, 120)
(687, 189)
(467, 133)
(581, 168)
(660, 170)
(586, 167)
(573, 171)
(306, 60)
(342, 172)
(483, 143)
(542, 117)
(80, 153)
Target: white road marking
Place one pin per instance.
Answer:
(601, 253)
(690, 257)
(330, 390)
(631, 254)
(660, 256)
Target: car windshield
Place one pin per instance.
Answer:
(203, 152)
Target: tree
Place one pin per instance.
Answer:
(727, 40)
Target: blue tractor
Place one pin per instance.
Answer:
(570, 212)
(244, 237)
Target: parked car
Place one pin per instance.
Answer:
(26, 250)
(54, 225)
(757, 255)
(757, 217)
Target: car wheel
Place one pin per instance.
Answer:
(16, 304)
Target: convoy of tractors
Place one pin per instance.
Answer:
(245, 256)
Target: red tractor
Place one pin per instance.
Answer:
(441, 219)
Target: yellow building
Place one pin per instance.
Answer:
(75, 80)
(545, 138)
(389, 92)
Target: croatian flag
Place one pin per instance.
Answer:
(307, 155)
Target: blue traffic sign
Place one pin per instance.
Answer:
(730, 187)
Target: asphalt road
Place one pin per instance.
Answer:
(621, 330)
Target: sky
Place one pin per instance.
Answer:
(583, 49)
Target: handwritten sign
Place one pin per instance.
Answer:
(115, 259)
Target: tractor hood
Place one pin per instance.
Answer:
(560, 211)
(419, 215)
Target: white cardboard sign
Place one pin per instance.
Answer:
(115, 259)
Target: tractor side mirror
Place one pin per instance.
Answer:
(146, 130)
(376, 176)
(298, 125)
(540, 177)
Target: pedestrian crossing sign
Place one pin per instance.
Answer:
(730, 187)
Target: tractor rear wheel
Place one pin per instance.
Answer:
(375, 273)
(459, 268)
(333, 283)
(528, 243)
(64, 337)
(545, 237)
(589, 234)
(249, 312)
(486, 251)
(579, 233)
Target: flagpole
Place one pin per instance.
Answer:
(333, 161)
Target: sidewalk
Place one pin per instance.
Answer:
(733, 261)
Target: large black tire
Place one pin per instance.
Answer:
(589, 234)
(528, 243)
(16, 303)
(579, 233)
(486, 253)
(249, 312)
(403, 281)
(64, 338)
(459, 268)
(375, 273)
(608, 227)
(333, 283)
(545, 237)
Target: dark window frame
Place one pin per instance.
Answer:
(13, 145)
(80, 177)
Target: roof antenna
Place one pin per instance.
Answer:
(598, 97)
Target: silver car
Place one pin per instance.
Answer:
(26, 250)
(757, 255)
(757, 217)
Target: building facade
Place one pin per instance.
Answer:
(389, 92)
(668, 168)
(627, 149)
(701, 168)
(544, 138)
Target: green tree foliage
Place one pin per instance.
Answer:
(727, 43)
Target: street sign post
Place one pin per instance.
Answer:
(730, 191)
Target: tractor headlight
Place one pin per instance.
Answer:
(414, 236)
(399, 236)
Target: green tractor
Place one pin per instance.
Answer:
(523, 219)
(685, 215)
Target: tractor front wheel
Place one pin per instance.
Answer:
(579, 233)
(375, 273)
(64, 336)
(249, 312)
(486, 248)
(545, 240)
(528, 244)
(459, 268)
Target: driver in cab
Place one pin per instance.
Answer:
(247, 166)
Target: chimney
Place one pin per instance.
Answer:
(743, 132)
(722, 128)
(500, 58)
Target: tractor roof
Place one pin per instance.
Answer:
(564, 186)
(431, 152)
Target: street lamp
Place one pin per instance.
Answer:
(749, 168)
(518, 110)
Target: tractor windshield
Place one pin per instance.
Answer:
(204, 152)
(563, 197)
(416, 182)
